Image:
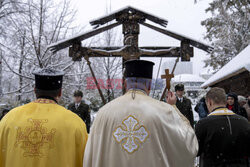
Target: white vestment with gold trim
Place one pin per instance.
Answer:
(136, 130)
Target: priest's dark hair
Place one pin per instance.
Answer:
(217, 95)
(49, 93)
(138, 83)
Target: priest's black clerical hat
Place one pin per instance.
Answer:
(138, 69)
(48, 79)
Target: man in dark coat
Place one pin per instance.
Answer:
(184, 104)
(223, 136)
(81, 109)
(201, 108)
(233, 105)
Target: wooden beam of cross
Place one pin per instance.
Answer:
(126, 52)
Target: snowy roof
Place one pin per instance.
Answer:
(54, 47)
(180, 37)
(187, 78)
(115, 16)
(128, 9)
(237, 65)
(194, 42)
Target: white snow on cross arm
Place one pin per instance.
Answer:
(238, 64)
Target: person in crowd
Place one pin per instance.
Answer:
(81, 109)
(4, 112)
(223, 136)
(201, 108)
(233, 105)
(247, 107)
(242, 100)
(43, 133)
(138, 131)
(184, 104)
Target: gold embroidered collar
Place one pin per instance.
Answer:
(137, 91)
(44, 101)
(222, 111)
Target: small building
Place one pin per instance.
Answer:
(234, 76)
(191, 82)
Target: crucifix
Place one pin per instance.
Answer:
(130, 18)
(168, 78)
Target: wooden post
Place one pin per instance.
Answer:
(93, 75)
(130, 30)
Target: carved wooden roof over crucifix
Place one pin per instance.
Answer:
(130, 18)
(128, 10)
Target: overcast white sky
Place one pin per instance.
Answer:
(184, 17)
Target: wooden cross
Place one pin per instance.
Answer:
(168, 78)
(130, 18)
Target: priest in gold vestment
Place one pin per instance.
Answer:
(43, 133)
(136, 130)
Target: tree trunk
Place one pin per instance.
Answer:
(20, 70)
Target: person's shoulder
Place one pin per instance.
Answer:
(206, 120)
(147, 100)
(71, 104)
(84, 104)
(246, 106)
(69, 115)
(73, 120)
(242, 109)
(187, 99)
(64, 110)
(240, 118)
(16, 111)
(112, 103)
(160, 107)
(21, 108)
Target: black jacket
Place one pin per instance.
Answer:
(201, 108)
(83, 112)
(185, 108)
(223, 140)
(239, 110)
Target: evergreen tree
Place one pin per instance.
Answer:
(227, 29)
